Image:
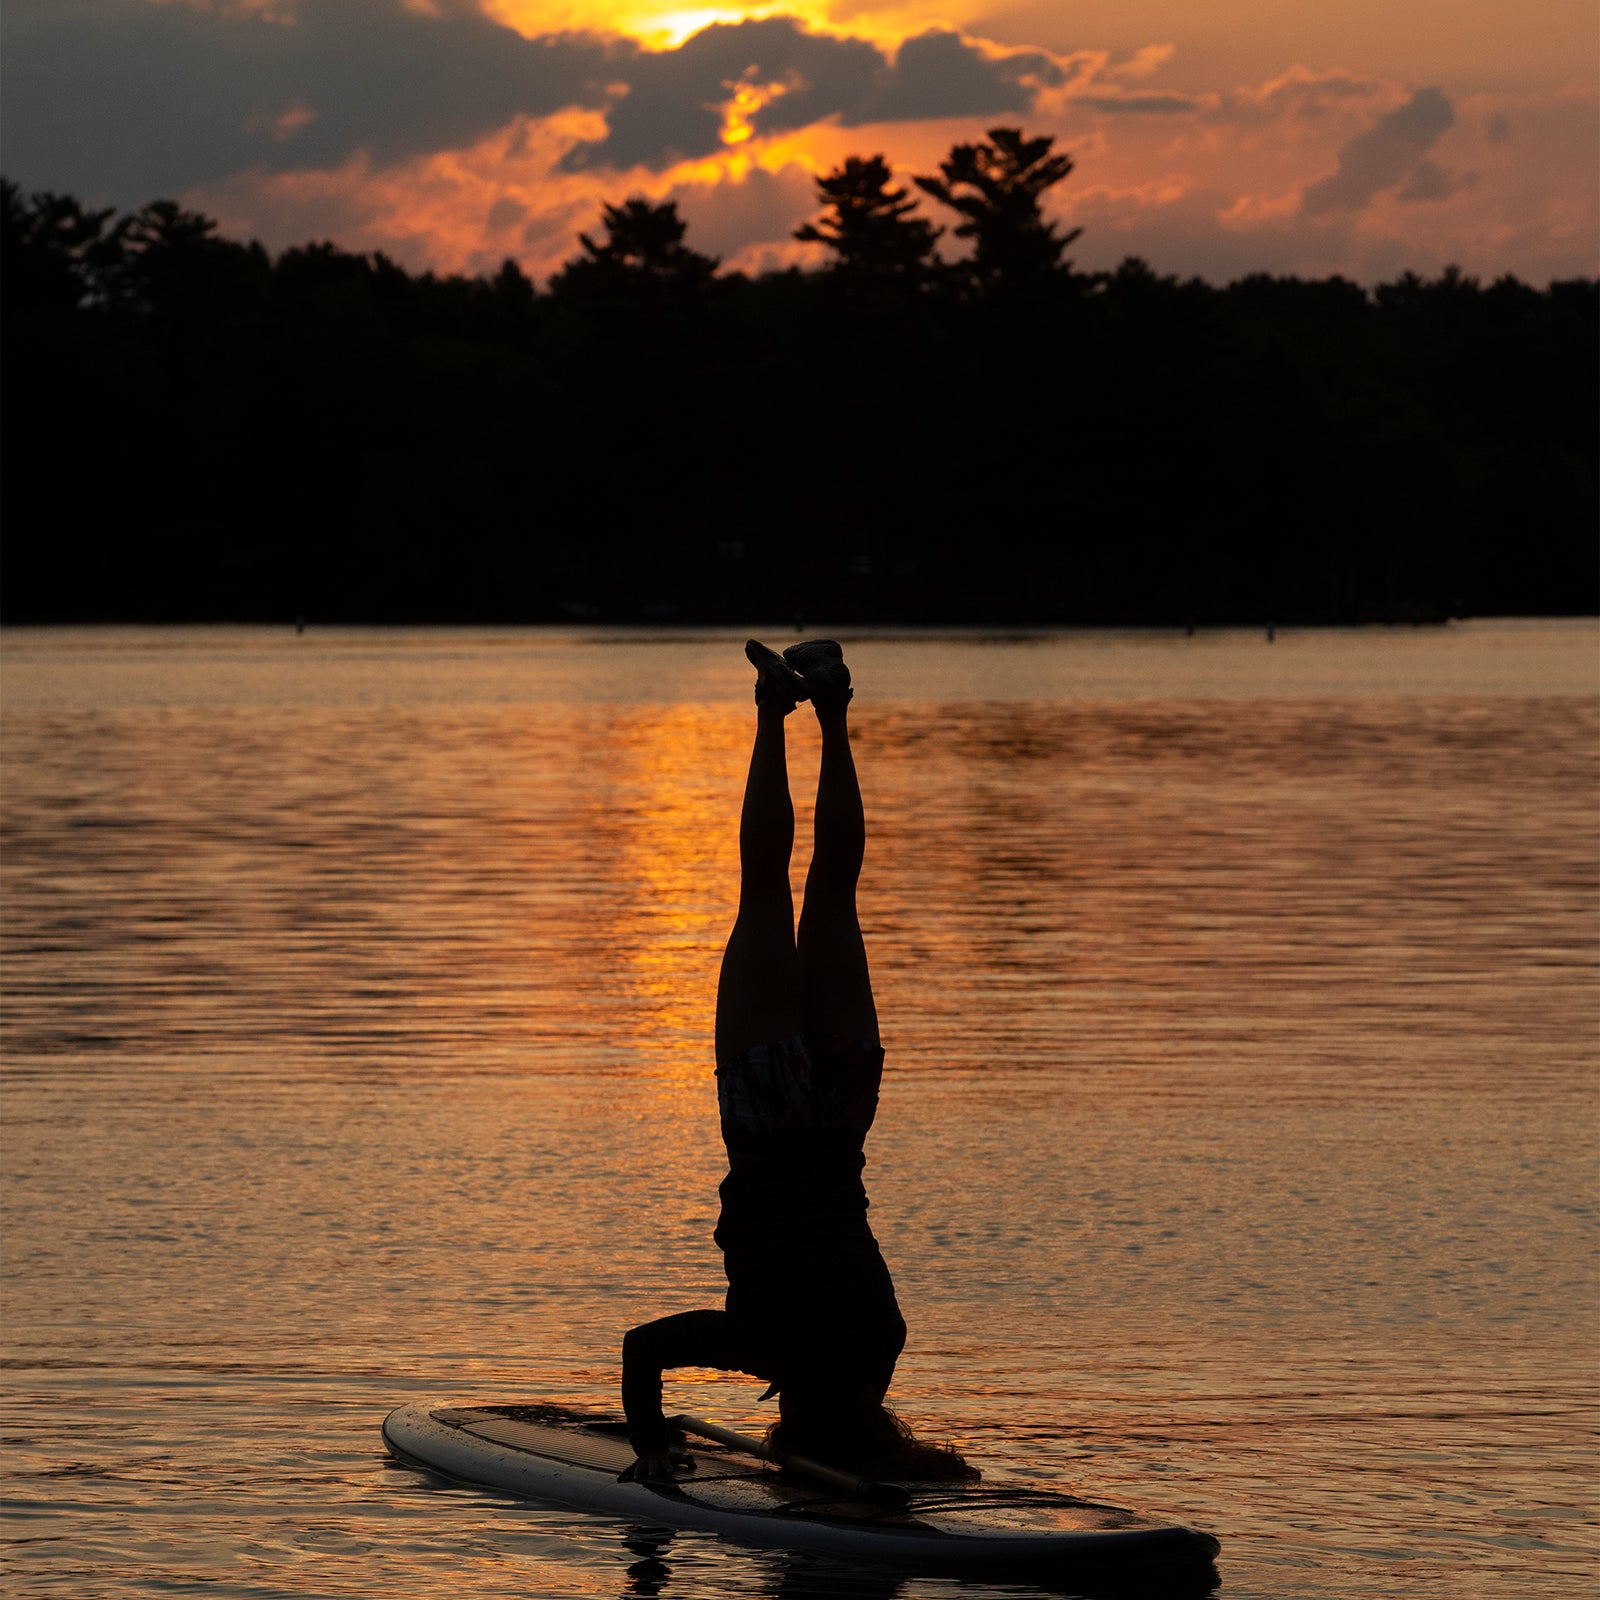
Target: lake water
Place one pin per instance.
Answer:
(1236, 1157)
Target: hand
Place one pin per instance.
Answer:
(657, 1465)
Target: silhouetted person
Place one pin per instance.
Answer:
(810, 1306)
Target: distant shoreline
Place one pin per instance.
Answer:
(208, 433)
(646, 631)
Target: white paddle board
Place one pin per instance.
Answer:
(542, 1453)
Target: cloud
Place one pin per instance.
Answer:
(1144, 62)
(125, 99)
(670, 105)
(506, 212)
(1430, 181)
(128, 100)
(1297, 99)
(1229, 197)
(743, 79)
(1382, 157)
(939, 74)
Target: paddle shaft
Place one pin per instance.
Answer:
(883, 1494)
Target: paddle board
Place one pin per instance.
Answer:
(548, 1454)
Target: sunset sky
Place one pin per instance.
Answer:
(1245, 135)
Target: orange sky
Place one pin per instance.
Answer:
(1274, 135)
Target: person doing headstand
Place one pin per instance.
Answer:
(810, 1306)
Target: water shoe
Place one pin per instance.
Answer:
(777, 683)
(821, 663)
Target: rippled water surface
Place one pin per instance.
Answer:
(1236, 1153)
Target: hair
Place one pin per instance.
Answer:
(865, 1437)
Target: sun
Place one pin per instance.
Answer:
(658, 26)
(661, 25)
(668, 29)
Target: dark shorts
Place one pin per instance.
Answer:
(804, 1085)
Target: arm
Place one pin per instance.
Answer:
(690, 1339)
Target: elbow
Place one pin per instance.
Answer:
(636, 1350)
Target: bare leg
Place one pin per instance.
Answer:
(836, 985)
(758, 993)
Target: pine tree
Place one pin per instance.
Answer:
(997, 187)
(870, 227)
(643, 257)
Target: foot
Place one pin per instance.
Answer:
(821, 663)
(777, 683)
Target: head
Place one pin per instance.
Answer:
(854, 1430)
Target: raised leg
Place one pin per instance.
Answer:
(758, 992)
(836, 986)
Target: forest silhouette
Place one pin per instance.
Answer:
(199, 430)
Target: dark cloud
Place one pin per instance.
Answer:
(668, 112)
(124, 100)
(1382, 157)
(939, 74)
(670, 109)
(1499, 130)
(127, 100)
(1430, 181)
(507, 213)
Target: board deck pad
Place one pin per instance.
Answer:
(545, 1453)
(577, 1448)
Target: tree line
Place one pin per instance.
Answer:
(197, 429)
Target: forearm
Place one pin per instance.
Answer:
(690, 1339)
